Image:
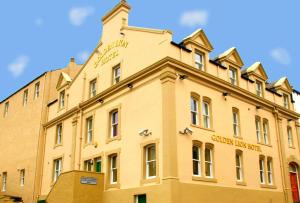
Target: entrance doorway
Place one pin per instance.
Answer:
(293, 168)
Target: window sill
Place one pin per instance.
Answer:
(150, 180)
(292, 147)
(268, 186)
(111, 186)
(110, 139)
(242, 183)
(57, 145)
(238, 137)
(200, 127)
(267, 145)
(90, 144)
(204, 179)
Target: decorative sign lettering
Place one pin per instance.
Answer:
(235, 142)
(88, 180)
(110, 52)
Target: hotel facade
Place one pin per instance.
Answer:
(147, 119)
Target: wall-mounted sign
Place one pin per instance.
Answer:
(110, 52)
(235, 142)
(88, 180)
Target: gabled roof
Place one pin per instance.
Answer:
(63, 80)
(202, 39)
(283, 83)
(231, 55)
(257, 68)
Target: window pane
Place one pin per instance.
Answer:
(196, 167)
(207, 155)
(207, 169)
(151, 153)
(195, 152)
(152, 168)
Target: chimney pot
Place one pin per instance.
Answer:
(72, 59)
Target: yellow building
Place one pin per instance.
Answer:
(22, 115)
(163, 122)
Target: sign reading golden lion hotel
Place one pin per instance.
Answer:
(110, 52)
(235, 142)
(129, 131)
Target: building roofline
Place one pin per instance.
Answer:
(26, 85)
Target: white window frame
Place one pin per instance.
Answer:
(88, 165)
(206, 114)
(89, 130)
(57, 168)
(233, 76)
(258, 129)
(198, 161)
(117, 74)
(59, 134)
(290, 137)
(236, 125)
(37, 90)
(22, 177)
(195, 112)
(148, 161)
(114, 122)
(4, 181)
(210, 163)
(239, 168)
(112, 169)
(262, 171)
(259, 88)
(270, 171)
(93, 88)
(199, 63)
(266, 132)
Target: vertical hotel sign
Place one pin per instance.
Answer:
(110, 52)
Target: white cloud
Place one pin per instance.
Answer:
(194, 18)
(281, 55)
(18, 66)
(83, 56)
(78, 15)
(39, 22)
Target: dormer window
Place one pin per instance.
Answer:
(116, 74)
(259, 88)
(62, 99)
(199, 61)
(285, 101)
(233, 76)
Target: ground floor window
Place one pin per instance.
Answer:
(57, 164)
(22, 177)
(98, 165)
(88, 165)
(113, 169)
(140, 198)
(4, 180)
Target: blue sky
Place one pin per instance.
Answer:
(36, 36)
